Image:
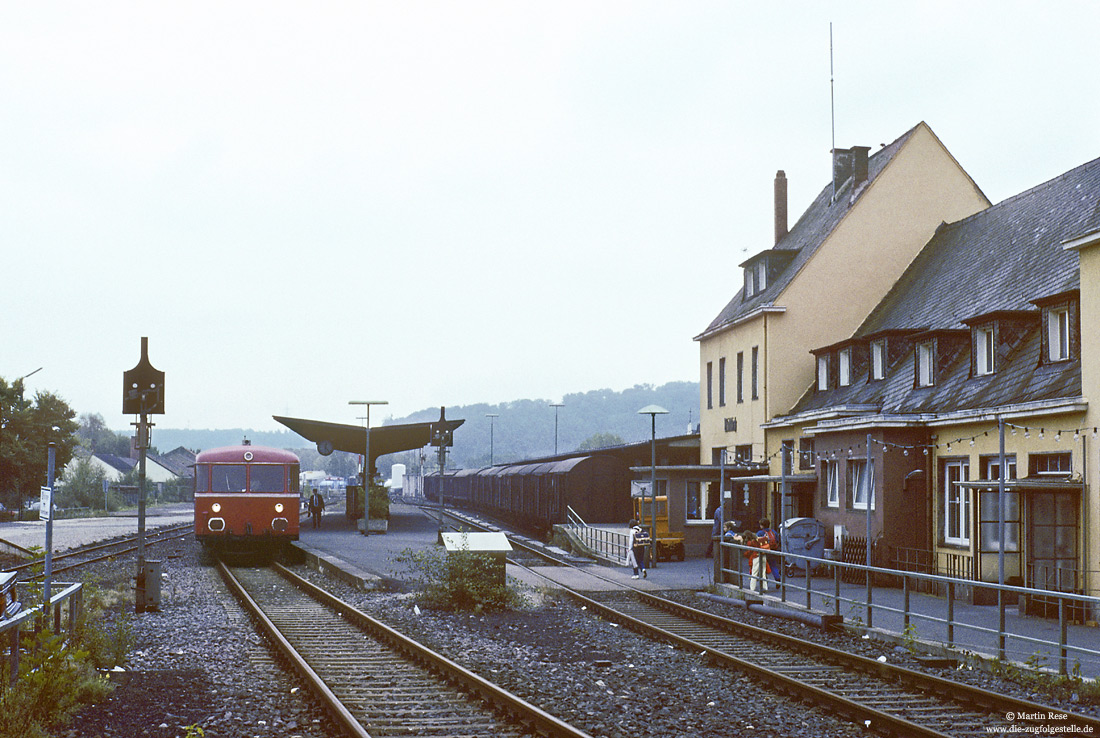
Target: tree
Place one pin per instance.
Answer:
(601, 440)
(25, 430)
(82, 486)
(95, 437)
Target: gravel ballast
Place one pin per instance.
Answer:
(199, 662)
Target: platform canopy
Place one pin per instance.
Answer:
(386, 439)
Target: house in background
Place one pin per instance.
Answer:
(903, 420)
(814, 287)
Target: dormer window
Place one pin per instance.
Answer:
(984, 350)
(823, 372)
(756, 277)
(1061, 327)
(925, 364)
(1057, 320)
(878, 359)
(844, 367)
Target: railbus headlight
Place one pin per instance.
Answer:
(278, 507)
(216, 507)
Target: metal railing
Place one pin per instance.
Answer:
(608, 544)
(70, 597)
(825, 598)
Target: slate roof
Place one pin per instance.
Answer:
(118, 463)
(179, 461)
(1000, 259)
(808, 233)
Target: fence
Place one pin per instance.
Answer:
(607, 544)
(1066, 604)
(70, 596)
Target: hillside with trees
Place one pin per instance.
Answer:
(523, 429)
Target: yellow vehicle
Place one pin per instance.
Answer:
(669, 544)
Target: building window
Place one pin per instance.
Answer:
(984, 350)
(823, 373)
(756, 372)
(878, 359)
(695, 500)
(805, 453)
(861, 483)
(710, 385)
(991, 466)
(742, 454)
(722, 382)
(830, 471)
(844, 368)
(925, 365)
(956, 503)
(750, 282)
(1055, 465)
(740, 376)
(1058, 333)
(761, 275)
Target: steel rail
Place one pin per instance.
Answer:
(954, 692)
(534, 717)
(326, 695)
(521, 713)
(162, 536)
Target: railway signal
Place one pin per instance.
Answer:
(143, 395)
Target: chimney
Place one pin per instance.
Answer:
(842, 168)
(859, 165)
(780, 205)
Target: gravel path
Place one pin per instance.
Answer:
(199, 662)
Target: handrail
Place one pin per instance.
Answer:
(11, 627)
(608, 543)
(808, 563)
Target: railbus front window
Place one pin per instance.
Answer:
(202, 477)
(267, 478)
(228, 478)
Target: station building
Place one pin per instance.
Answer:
(896, 432)
(814, 287)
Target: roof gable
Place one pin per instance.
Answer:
(811, 230)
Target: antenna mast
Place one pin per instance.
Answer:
(832, 103)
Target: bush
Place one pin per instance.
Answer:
(459, 580)
(379, 502)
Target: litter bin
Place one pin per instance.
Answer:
(805, 536)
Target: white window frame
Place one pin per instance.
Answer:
(956, 503)
(761, 275)
(750, 281)
(878, 359)
(844, 367)
(823, 372)
(984, 352)
(1058, 333)
(861, 474)
(832, 483)
(925, 364)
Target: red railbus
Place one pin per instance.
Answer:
(246, 497)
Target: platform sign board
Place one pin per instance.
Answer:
(45, 509)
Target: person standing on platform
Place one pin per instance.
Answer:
(768, 535)
(716, 529)
(758, 573)
(639, 548)
(316, 507)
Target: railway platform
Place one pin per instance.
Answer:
(367, 561)
(18, 536)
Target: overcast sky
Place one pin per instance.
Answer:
(302, 204)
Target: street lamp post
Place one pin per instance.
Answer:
(556, 405)
(653, 411)
(491, 417)
(366, 463)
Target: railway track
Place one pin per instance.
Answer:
(376, 681)
(85, 555)
(886, 698)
